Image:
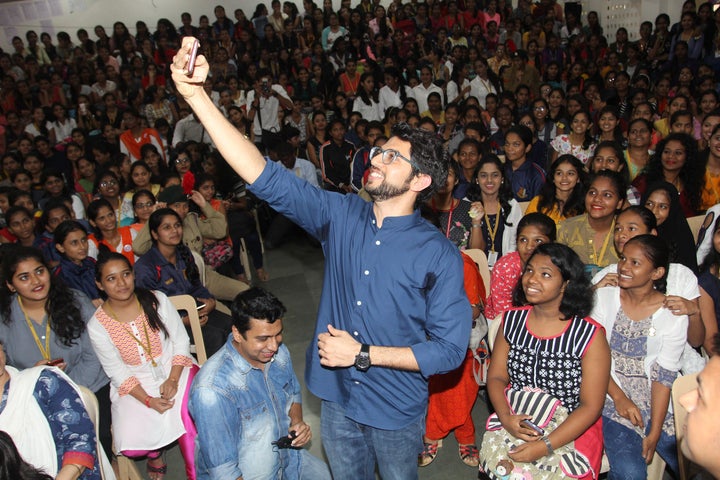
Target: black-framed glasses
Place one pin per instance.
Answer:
(182, 160)
(390, 155)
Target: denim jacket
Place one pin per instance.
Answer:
(238, 411)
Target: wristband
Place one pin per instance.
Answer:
(548, 445)
(147, 401)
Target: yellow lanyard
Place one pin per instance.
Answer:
(598, 260)
(147, 348)
(44, 351)
(492, 231)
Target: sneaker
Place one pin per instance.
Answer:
(470, 455)
(430, 451)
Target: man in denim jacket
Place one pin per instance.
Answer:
(247, 396)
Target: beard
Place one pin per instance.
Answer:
(385, 191)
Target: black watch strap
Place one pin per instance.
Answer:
(362, 359)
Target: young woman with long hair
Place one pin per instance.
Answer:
(45, 321)
(494, 211)
(142, 345)
(590, 235)
(563, 194)
(367, 101)
(579, 142)
(675, 162)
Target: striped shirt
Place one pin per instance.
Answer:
(552, 364)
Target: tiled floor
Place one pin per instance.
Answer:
(296, 272)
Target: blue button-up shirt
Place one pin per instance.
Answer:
(399, 285)
(238, 411)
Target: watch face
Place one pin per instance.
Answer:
(362, 361)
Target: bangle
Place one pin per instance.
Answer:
(80, 469)
(173, 380)
(147, 401)
(549, 446)
(476, 225)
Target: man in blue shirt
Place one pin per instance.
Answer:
(393, 310)
(247, 396)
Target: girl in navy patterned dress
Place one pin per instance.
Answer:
(551, 344)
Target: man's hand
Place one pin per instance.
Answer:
(337, 348)
(188, 86)
(302, 433)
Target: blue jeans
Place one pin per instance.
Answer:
(312, 468)
(623, 448)
(353, 449)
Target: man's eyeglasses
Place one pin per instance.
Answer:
(389, 156)
(108, 183)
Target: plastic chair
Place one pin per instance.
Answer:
(695, 223)
(480, 259)
(681, 386)
(523, 205)
(188, 303)
(93, 410)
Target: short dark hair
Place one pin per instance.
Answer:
(541, 221)
(255, 303)
(428, 153)
(578, 298)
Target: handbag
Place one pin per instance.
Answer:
(548, 413)
(217, 253)
(481, 363)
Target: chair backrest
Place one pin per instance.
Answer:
(695, 224)
(523, 206)
(188, 303)
(480, 259)
(200, 262)
(681, 386)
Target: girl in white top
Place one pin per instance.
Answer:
(142, 345)
(647, 342)
(367, 100)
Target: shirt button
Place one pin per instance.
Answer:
(373, 222)
(356, 333)
(359, 303)
(367, 272)
(357, 383)
(377, 242)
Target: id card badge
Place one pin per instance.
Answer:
(492, 258)
(158, 372)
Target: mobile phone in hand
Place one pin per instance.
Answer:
(193, 58)
(56, 362)
(532, 426)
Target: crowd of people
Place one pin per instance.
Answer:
(570, 155)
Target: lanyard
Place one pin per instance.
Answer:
(598, 259)
(147, 348)
(44, 351)
(492, 231)
(453, 206)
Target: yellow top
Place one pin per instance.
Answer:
(554, 213)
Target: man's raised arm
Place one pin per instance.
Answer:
(240, 153)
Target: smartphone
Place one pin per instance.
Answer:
(193, 58)
(56, 362)
(532, 426)
(200, 306)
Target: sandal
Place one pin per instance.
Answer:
(430, 451)
(156, 473)
(469, 454)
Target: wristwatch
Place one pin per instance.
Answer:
(362, 359)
